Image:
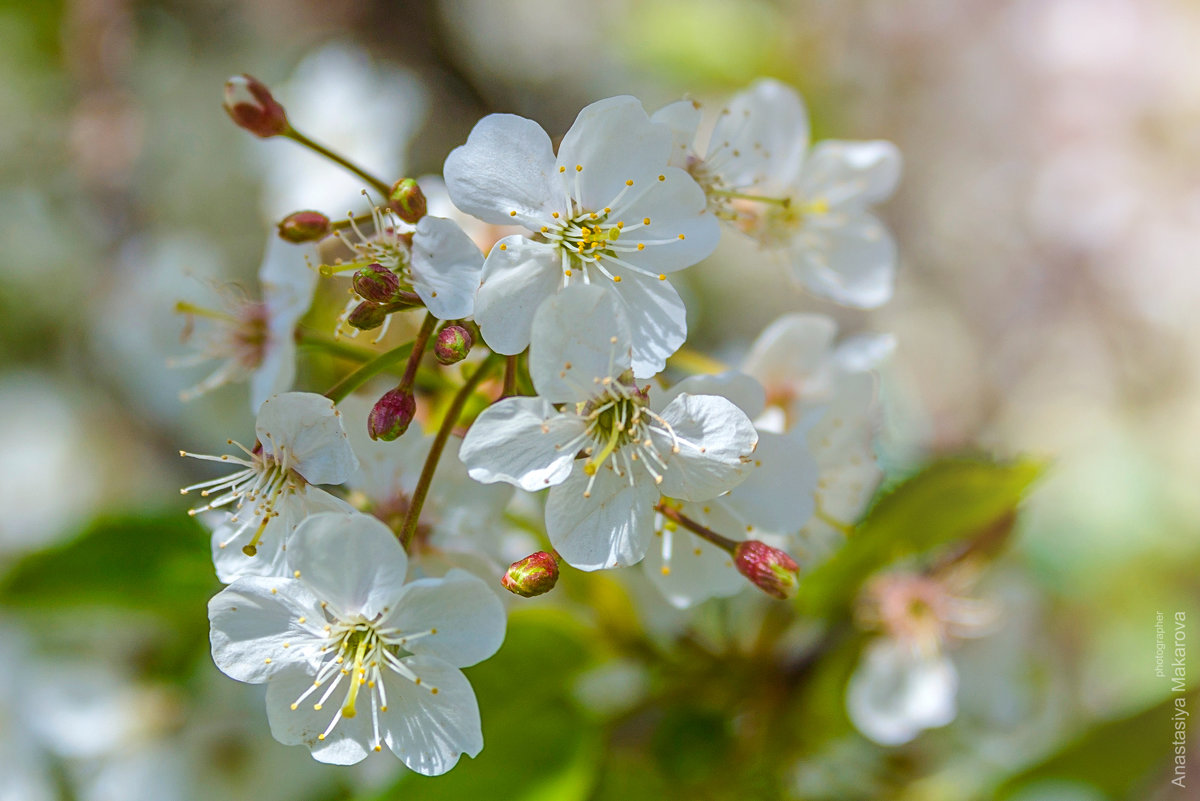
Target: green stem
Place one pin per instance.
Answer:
(671, 513)
(340, 160)
(409, 529)
(510, 377)
(779, 201)
(315, 341)
(338, 392)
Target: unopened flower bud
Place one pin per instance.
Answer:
(407, 200)
(249, 104)
(769, 569)
(367, 315)
(304, 226)
(376, 283)
(452, 345)
(392, 413)
(536, 574)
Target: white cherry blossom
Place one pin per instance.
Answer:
(605, 449)
(608, 209)
(254, 340)
(809, 210)
(897, 691)
(300, 443)
(355, 659)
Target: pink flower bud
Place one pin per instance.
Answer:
(769, 569)
(367, 316)
(376, 283)
(249, 104)
(391, 414)
(407, 200)
(536, 574)
(304, 226)
(452, 345)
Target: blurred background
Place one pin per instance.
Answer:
(1046, 305)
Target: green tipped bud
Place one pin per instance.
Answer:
(376, 283)
(769, 569)
(452, 345)
(536, 574)
(249, 103)
(304, 226)
(392, 413)
(367, 316)
(407, 200)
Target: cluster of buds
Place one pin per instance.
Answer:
(381, 295)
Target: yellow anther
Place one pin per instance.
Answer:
(662, 277)
(562, 169)
(567, 273)
(554, 214)
(629, 182)
(616, 279)
(645, 221)
(578, 168)
(641, 246)
(512, 214)
(607, 210)
(666, 571)
(295, 574)
(620, 224)
(504, 247)
(681, 236)
(662, 177)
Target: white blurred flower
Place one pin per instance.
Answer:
(255, 340)
(300, 443)
(607, 210)
(365, 111)
(600, 511)
(348, 624)
(898, 691)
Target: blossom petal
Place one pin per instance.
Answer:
(308, 427)
(429, 725)
(688, 570)
(762, 137)
(682, 231)
(288, 284)
(251, 621)
(352, 561)
(792, 354)
(506, 165)
(657, 321)
(851, 175)
(517, 276)
(896, 692)
(745, 392)
(521, 441)
(446, 268)
(682, 119)
(277, 371)
(716, 445)
(610, 528)
(778, 493)
(850, 259)
(580, 338)
(348, 743)
(863, 352)
(613, 141)
(464, 614)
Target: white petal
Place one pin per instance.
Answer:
(657, 321)
(696, 570)
(517, 276)
(506, 165)
(277, 371)
(682, 231)
(354, 562)
(466, 614)
(252, 619)
(287, 280)
(791, 355)
(762, 138)
(778, 495)
(611, 528)
(895, 693)
(384, 468)
(716, 446)
(446, 268)
(745, 392)
(863, 352)
(309, 427)
(580, 337)
(851, 175)
(682, 119)
(520, 441)
(614, 141)
(350, 741)
(428, 730)
(850, 259)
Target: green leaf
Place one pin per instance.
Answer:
(538, 746)
(948, 502)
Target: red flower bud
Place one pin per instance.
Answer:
(249, 104)
(452, 345)
(304, 226)
(407, 200)
(376, 283)
(391, 414)
(769, 569)
(367, 315)
(536, 574)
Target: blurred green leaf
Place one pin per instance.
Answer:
(157, 562)
(948, 502)
(538, 745)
